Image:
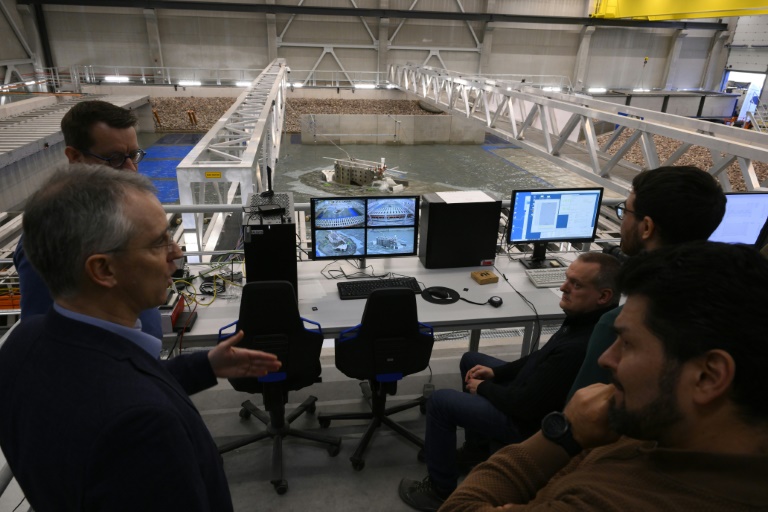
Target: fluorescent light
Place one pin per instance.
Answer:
(185, 83)
(365, 86)
(31, 82)
(116, 79)
(243, 84)
(551, 89)
(391, 86)
(297, 84)
(509, 88)
(640, 90)
(597, 89)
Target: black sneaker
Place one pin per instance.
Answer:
(422, 495)
(468, 457)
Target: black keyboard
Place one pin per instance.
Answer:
(362, 289)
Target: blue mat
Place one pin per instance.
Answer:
(167, 191)
(158, 168)
(178, 152)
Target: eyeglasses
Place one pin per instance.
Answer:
(167, 246)
(621, 208)
(117, 160)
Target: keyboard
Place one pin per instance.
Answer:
(362, 289)
(546, 277)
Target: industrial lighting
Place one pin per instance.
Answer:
(597, 89)
(641, 90)
(243, 84)
(391, 86)
(551, 89)
(116, 79)
(297, 84)
(365, 86)
(31, 82)
(187, 83)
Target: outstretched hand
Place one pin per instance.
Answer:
(230, 362)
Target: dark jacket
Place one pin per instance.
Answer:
(90, 421)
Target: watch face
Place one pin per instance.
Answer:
(555, 425)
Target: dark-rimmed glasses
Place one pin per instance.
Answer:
(621, 209)
(117, 160)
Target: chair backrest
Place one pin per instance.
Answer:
(390, 342)
(269, 317)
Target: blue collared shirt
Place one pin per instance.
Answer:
(146, 342)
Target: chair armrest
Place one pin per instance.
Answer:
(426, 329)
(349, 334)
(319, 329)
(223, 336)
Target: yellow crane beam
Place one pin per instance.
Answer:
(657, 10)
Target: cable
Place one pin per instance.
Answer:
(535, 343)
(17, 506)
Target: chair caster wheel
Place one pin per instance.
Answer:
(334, 450)
(245, 413)
(312, 408)
(281, 487)
(420, 456)
(324, 423)
(358, 464)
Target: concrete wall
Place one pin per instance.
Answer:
(383, 129)
(19, 107)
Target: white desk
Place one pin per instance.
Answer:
(319, 301)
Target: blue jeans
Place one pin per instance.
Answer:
(448, 409)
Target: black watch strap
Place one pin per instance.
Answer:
(556, 427)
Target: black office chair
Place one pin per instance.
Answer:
(269, 317)
(388, 344)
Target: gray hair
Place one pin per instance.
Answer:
(607, 275)
(80, 212)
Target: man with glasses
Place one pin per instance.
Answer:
(92, 419)
(95, 132)
(666, 206)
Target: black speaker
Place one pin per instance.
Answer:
(458, 234)
(270, 253)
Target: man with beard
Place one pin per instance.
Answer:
(689, 387)
(667, 205)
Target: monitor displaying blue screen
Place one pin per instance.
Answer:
(745, 220)
(364, 227)
(553, 215)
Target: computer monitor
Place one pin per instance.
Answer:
(553, 215)
(364, 227)
(745, 220)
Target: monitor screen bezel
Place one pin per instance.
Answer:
(314, 201)
(762, 236)
(570, 239)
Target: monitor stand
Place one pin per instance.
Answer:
(538, 259)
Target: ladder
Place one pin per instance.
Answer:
(759, 117)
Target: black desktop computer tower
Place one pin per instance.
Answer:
(458, 229)
(269, 240)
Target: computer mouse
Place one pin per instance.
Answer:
(440, 293)
(495, 301)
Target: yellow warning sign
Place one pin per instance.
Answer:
(213, 175)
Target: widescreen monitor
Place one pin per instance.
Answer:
(364, 227)
(553, 215)
(745, 220)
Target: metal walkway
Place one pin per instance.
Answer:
(239, 150)
(549, 124)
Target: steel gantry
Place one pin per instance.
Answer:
(544, 122)
(238, 150)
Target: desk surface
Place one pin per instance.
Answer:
(319, 299)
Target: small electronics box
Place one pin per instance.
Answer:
(484, 277)
(169, 313)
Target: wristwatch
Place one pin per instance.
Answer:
(556, 427)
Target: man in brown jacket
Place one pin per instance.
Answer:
(688, 392)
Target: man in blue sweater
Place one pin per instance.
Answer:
(505, 402)
(95, 132)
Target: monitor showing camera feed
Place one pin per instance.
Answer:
(364, 227)
(552, 215)
(745, 220)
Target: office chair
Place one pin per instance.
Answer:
(388, 344)
(269, 317)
